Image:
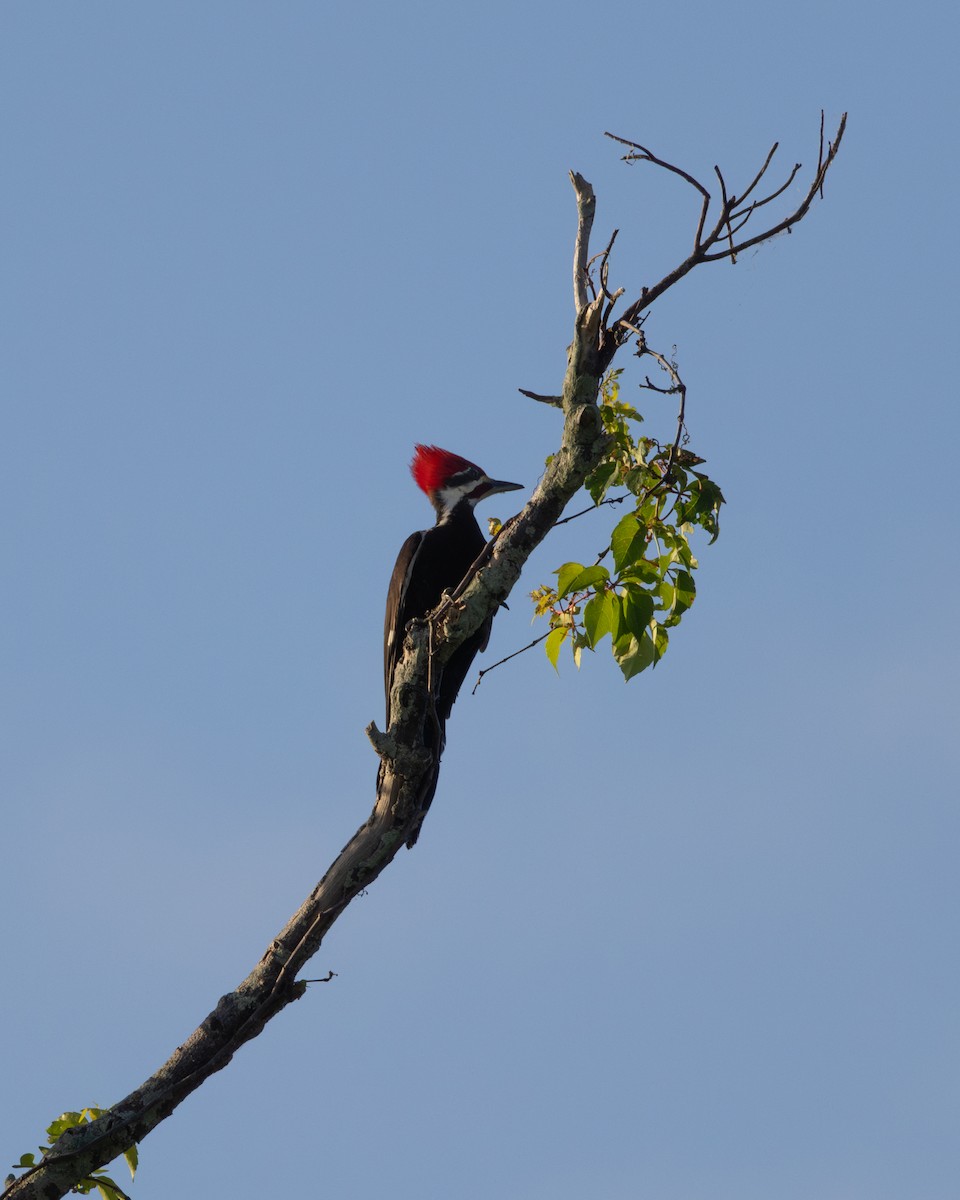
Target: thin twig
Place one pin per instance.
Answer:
(604, 261)
(760, 174)
(593, 508)
(604, 254)
(735, 229)
(646, 155)
(522, 650)
(773, 195)
(556, 401)
(654, 387)
(727, 205)
(679, 387)
(704, 245)
(820, 155)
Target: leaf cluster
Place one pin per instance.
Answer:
(649, 584)
(99, 1180)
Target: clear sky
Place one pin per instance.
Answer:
(694, 938)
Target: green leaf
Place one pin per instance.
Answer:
(552, 645)
(637, 608)
(686, 592)
(628, 541)
(661, 640)
(601, 615)
(702, 506)
(107, 1188)
(588, 578)
(641, 479)
(684, 554)
(565, 575)
(633, 655)
(598, 482)
(610, 386)
(132, 1159)
(687, 508)
(643, 571)
(627, 410)
(60, 1126)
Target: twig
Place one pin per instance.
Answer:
(556, 401)
(604, 263)
(704, 244)
(773, 195)
(801, 211)
(522, 650)
(727, 205)
(820, 155)
(678, 386)
(646, 155)
(760, 174)
(593, 508)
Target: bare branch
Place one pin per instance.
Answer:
(556, 401)
(730, 221)
(763, 170)
(604, 254)
(586, 210)
(820, 152)
(801, 210)
(698, 236)
(735, 229)
(592, 508)
(773, 195)
(523, 649)
(645, 155)
(726, 205)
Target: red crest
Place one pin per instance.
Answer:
(432, 467)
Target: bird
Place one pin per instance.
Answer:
(431, 562)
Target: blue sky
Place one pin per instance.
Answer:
(690, 939)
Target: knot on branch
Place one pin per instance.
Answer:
(410, 762)
(383, 743)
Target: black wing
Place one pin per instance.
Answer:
(398, 610)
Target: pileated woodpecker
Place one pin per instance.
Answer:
(431, 562)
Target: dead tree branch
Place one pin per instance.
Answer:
(721, 241)
(586, 209)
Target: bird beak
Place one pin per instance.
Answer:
(490, 487)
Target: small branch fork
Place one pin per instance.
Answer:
(722, 239)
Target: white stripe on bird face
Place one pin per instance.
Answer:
(450, 496)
